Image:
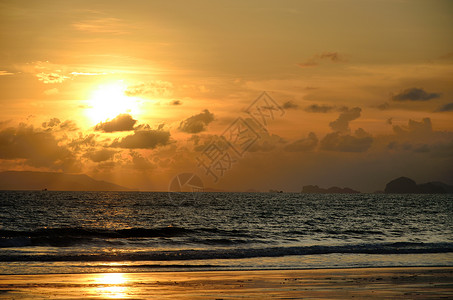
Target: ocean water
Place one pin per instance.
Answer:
(77, 232)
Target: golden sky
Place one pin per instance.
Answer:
(136, 92)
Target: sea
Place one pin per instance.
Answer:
(51, 232)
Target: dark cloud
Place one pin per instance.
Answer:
(38, 148)
(123, 122)
(342, 123)
(197, 123)
(68, 125)
(445, 107)
(333, 56)
(315, 108)
(414, 127)
(157, 88)
(415, 94)
(83, 141)
(143, 139)
(51, 123)
(55, 123)
(176, 102)
(314, 60)
(290, 105)
(100, 155)
(305, 144)
(336, 141)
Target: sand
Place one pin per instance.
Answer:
(412, 283)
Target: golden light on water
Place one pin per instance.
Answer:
(110, 100)
(112, 285)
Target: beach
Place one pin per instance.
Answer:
(413, 283)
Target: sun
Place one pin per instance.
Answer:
(110, 100)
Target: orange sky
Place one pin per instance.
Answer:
(136, 92)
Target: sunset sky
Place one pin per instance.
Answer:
(134, 92)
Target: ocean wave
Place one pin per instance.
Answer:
(66, 237)
(238, 253)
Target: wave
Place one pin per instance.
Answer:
(238, 253)
(65, 237)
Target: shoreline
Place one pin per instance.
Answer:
(214, 269)
(381, 282)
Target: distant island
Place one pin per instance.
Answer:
(29, 180)
(314, 189)
(405, 185)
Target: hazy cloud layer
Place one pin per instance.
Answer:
(143, 139)
(51, 77)
(342, 123)
(102, 26)
(415, 94)
(123, 122)
(156, 88)
(139, 162)
(197, 123)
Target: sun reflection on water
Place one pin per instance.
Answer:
(112, 285)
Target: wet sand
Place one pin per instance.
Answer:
(403, 283)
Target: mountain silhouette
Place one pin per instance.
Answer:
(405, 185)
(29, 180)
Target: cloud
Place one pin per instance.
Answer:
(315, 108)
(83, 141)
(49, 92)
(38, 148)
(139, 162)
(383, 106)
(51, 123)
(445, 107)
(334, 57)
(5, 73)
(342, 123)
(305, 144)
(55, 123)
(307, 64)
(290, 105)
(156, 88)
(414, 127)
(415, 94)
(122, 122)
(197, 123)
(336, 141)
(100, 155)
(51, 77)
(101, 25)
(176, 102)
(68, 125)
(143, 139)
